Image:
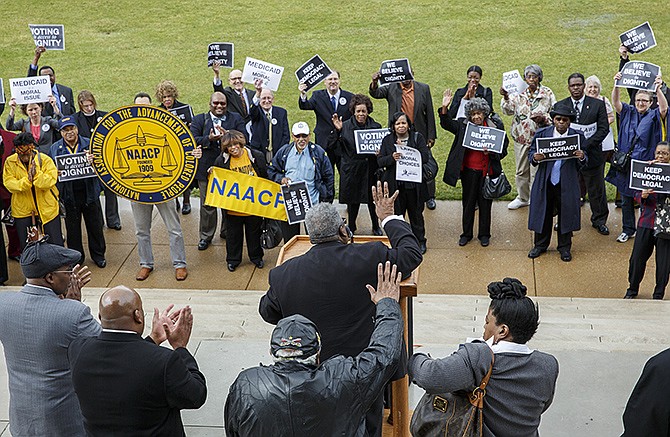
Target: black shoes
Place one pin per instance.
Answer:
(102, 263)
(535, 252)
(484, 241)
(231, 267)
(566, 256)
(422, 247)
(115, 227)
(203, 244)
(377, 232)
(602, 229)
(464, 240)
(186, 209)
(260, 264)
(430, 204)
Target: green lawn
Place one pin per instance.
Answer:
(116, 49)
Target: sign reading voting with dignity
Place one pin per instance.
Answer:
(269, 73)
(639, 75)
(646, 176)
(408, 167)
(369, 141)
(558, 147)
(397, 70)
(312, 72)
(513, 82)
(49, 36)
(33, 89)
(73, 166)
(483, 138)
(221, 51)
(184, 112)
(296, 201)
(639, 38)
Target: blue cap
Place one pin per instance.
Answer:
(65, 122)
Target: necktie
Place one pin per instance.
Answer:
(269, 117)
(333, 103)
(54, 90)
(577, 108)
(556, 172)
(244, 105)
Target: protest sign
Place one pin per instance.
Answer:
(296, 201)
(49, 36)
(396, 70)
(586, 129)
(608, 142)
(369, 141)
(513, 82)
(408, 167)
(312, 72)
(239, 192)
(638, 75)
(2, 92)
(558, 147)
(645, 176)
(224, 52)
(461, 109)
(639, 38)
(184, 112)
(269, 73)
(33, 89)
(483, 138)
(74, 166)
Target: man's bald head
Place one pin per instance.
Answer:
(235, 80)
(121, 308)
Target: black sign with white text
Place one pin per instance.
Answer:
(184, 112)
(558, 147)
(646, 176)
(312, 72)
(483, 138)
(638, 39)
(296, 201)
(49, 36)
(221, 51)
(639, 75)
(369, 141)
(73, 166)
(397, 70)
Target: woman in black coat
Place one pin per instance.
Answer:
(412, 195)
(471, 90)
(357, 171)
(471, 166)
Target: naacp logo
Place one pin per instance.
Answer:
(143, 153)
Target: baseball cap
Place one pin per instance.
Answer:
(296, 333)
(65, 122)
(300, 128)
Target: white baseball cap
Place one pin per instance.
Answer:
(300, 128)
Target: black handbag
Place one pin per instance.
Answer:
(456, 414)
(271, 234)
(495, 188)
(621, 160)
(429, 168)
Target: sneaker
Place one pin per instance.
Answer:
(517, 203)
(622, 238)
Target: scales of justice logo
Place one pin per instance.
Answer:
(143, 153)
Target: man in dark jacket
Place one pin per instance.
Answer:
(299, 396)
(62, 93)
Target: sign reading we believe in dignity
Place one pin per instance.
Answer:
(483, 138)
(639, 75)
(638, 39)
(296, 201)
(49, 36)
(224, 52)
(270, 74)
(397, 70)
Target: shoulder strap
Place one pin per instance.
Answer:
(476, 398)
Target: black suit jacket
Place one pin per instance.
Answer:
(319, 102)
(327, 285)
(82, 125)
(129, 386)
(592, 111)
(200, 128)
(66, 98)
(234, 101)
(481, 91)
(260, 125)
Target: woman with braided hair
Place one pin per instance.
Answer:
(523, 380)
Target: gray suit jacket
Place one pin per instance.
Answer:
(36, 328)
(424, 116)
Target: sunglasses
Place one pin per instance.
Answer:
(301, 136)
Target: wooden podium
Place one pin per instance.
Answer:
(300, 244)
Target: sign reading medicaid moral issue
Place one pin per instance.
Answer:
(49, 36)
(513, 82)
(647, 176)
(34, 89)
(255, 69)
(143, 153)
(239, 192)
(639, 38)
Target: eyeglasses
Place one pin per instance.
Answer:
(236, 78)
(642, 101)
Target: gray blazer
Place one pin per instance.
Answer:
(48, 130)
(36, 328)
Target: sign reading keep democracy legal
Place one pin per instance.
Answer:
(639, 75)
(224, 52)
(645, 176)
(270, 74)
(296, 201)
(74, 166)
(408, 167)
(49, 36)
(239, 192)
(396, 70)
(513, 82)
(33, 89)
(483, 138)
(558, 147)
(312, 72)
(639, 38)
(369, 141)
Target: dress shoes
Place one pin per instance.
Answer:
(101, 263)
(484, 241)
(630, 295)
(260, 264)
(430, 204)
(203, 244)
(535, 252)
(180, 273)
(377, 232)
(143, 273)
(566, 256)
(16, 258)
(464, 240)
(422, 247)
(231, 267)
(223, 234)
(186, 209)
(115, 227)
(178, 205)
(602, 229)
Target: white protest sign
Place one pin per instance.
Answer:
(461, 109)
(34, 89)
(638, 39)
(269, 73)
(587, 129)
(513, 82)
(408, 167)
(608, 142)
(49, 36)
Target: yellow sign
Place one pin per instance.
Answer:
(243, 193)
(143, 153)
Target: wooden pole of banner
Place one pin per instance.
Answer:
(300, 244)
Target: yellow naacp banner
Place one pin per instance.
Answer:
(243, 193)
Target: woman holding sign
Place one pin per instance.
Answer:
(42, 128)
(470, 91)
(471, 166)
(412, 194)
(357, 171)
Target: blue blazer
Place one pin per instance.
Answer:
(323, 109)
(200, 128)
(259, 128)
